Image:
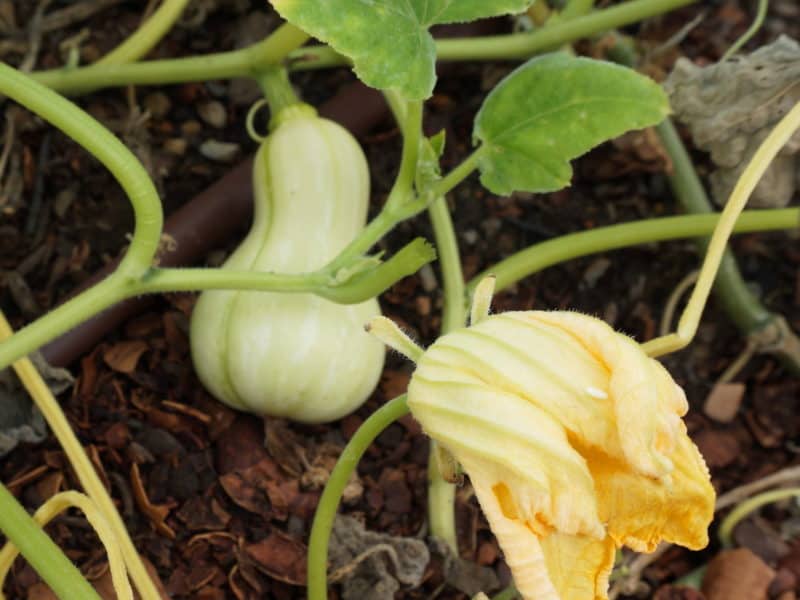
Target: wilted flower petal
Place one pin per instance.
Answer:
(573, 441)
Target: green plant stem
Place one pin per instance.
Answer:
(247, 62)
(510, 593)
(115, 288)
(287, 39)
(400, 199)
(748, 506)
(751, 31)
(147, 36)
(322, 283)
(730, 289)
(566, 247)
(518, 45)
(441, 494)
(104, 146)
(41, 552)
(76, 310)
(401, 193)
(457, 174)
(278, 91)
(331, 495)
(576, 8)
(454, 314)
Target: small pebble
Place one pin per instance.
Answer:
(470, 237)
(213, 113)
(723, 403)
(176, 146)
(191, 128)
(219, 151)
(63, 201)
(157, 104)
(423, 305)
(428, 278)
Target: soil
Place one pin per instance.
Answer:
(220, 502)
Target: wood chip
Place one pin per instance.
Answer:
(737, 575)
(279, 556)
(157, 513)
(719, 448)
(124, 356)
(723, 403)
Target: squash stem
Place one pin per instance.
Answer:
(730, 522)
(287, 39)
(147, 36)
(87, 475)
(56, 505)
(41, 552)
(221, 65)
(515, 46)
(401, 193)
(278, 91)
(576, 8)
(441, 493)
(329, 501)
(545, 254)
(690, 319)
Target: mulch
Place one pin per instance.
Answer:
(220, 503)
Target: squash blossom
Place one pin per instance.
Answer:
(573, 440)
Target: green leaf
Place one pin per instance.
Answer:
(428, 168)
(388, 40)
(555, 108)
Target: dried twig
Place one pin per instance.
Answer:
(34, 37)
(75, 13)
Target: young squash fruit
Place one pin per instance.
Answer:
(296, 356)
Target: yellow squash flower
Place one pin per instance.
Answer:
(573, 440)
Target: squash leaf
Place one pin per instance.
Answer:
(388, 40)
(555, 108)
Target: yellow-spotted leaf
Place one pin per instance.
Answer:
(388, 40)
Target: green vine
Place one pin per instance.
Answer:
(285, 41)
(331, 495)
(545, 254)
(41, 552)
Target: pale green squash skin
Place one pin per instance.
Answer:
(296, 356)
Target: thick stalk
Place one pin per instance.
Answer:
(400, 196)
(278, 91)
(755, 169)
(576, 8)
(247, 62)
(362, 286)
(54, 506)
(41, 552)
(730, 290)
(73, 312)
(331, 495)
(288, 39)
(147, 36)
(518, 45)
(535, 258)
(83, 467)
(441, 494)
(730, 522)
(103, 145)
